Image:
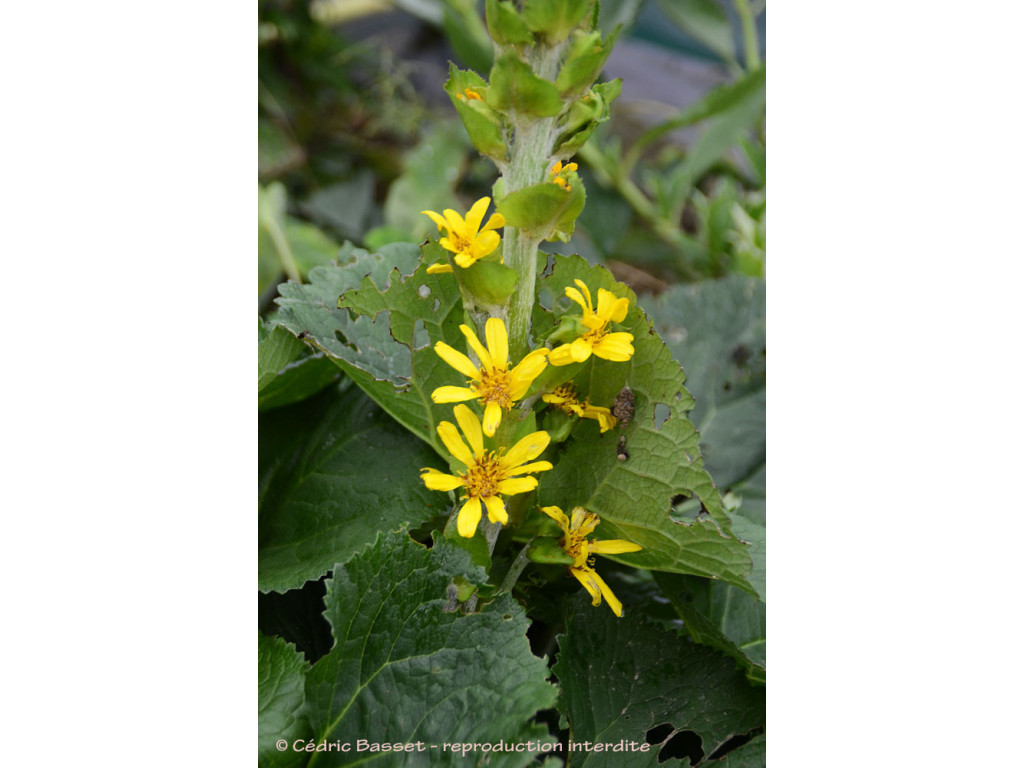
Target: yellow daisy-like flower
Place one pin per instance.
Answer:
(610, 346)
(566, 399)
(465, 238)
(489, 474)
(493, 384)
(576, 544)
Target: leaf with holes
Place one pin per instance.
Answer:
(376, 316)
(630, 476)
(402, 670)
(334, 470)
(623, 679)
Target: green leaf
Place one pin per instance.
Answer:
(345, 207)
(333, 471)
(544, 210)
(482, 123)
(586, 59)
(634, 497)
(467, 34)
(385, 347)
(750, 755)
(554, 19)
(402, 670)
(722, 617)
(428, 181)
(716, 330)
(622, 677)
(287, 373)
(506, 25)
(514, 86)
(281, 686)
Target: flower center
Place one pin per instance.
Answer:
(483, 477)
(494, 387)
(462, 244)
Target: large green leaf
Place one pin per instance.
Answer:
(716, 330)
(281, 683)
(620, 678)
(384, 342)
(287, 372)
(403, 670)
(663, 463)
(334, 470)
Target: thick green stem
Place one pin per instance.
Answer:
(751, 49)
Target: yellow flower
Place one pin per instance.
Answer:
(493, 384)
(567, 400)
(466, 239)
(576, 544)
(556, 174)
(610, 346)
(489, 474)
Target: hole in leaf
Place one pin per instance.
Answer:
(420, 337)
(545, 298)
(437, 304)
(423, 291)
(659, 733)
(549, 266)
(661, 414)
(506, 617)
(683, 744)
(734, 743)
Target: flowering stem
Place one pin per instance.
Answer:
(514, 571)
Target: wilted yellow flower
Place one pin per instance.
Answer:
(489, 474)
(493, 384)
(466, 239)
(566, 399)
(610, 346)
(576, 544)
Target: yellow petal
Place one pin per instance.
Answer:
(469, 517)
(556, 514)
(470, 425)
(492, 418)
(514, 485)
(616, 347)
(497, 341)
(580, 350)
(609, 596)
(613, 547)
(436, 480)
(537, 466)
(476, 215)
(586, 578)
(474, 343)
(561, 355)
(529, 368)
(453, 395)
(455, 222)
(457, 360)
(450, 437)
(576, 296)
(609, 307)
(496, 221)
(484, 244)
(436, 218)
(495, 510)
(440, 268)
(464, 260)
(586, 291)
(527, 449)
